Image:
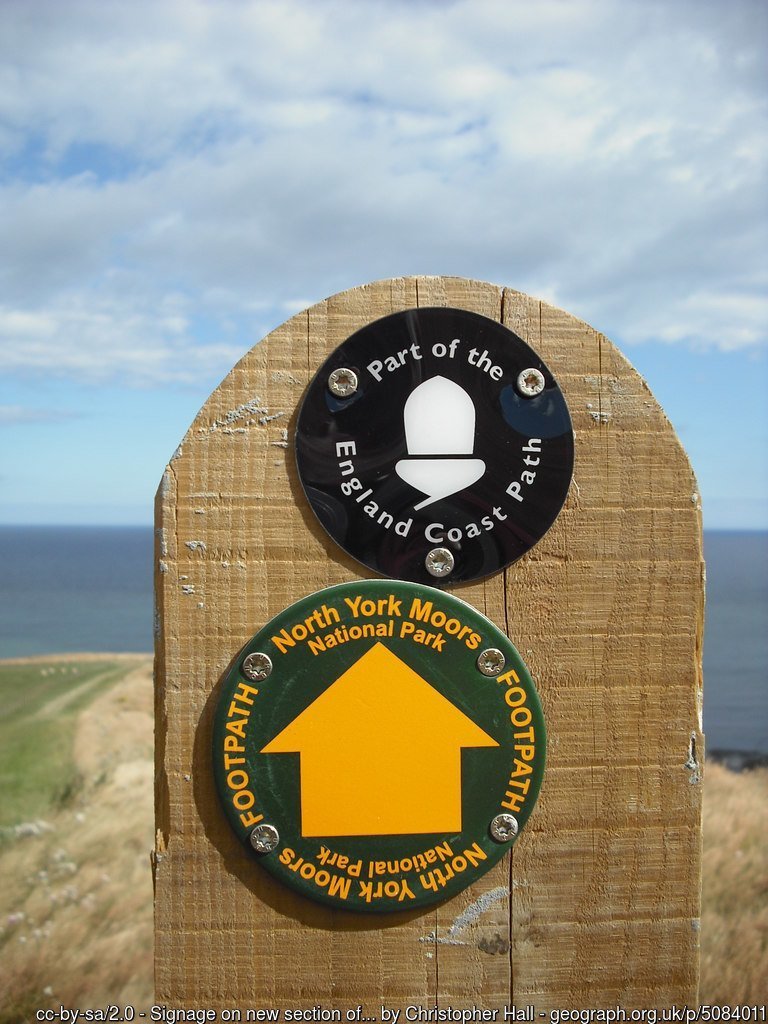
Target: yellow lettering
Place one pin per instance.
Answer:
(514, 801)
(238, 727)
(420, 610)
(521, 768)
(249, 819)
(508, 677)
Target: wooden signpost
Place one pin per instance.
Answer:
(597, 903)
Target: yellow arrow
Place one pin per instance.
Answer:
(380, 753)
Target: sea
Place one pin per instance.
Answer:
(89, 588)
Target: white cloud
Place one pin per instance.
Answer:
(110, 339)
(223, 161)
(740, 319)
(11, 415)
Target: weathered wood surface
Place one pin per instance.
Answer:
(599, 902)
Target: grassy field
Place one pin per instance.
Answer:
(41, 702)
(734, 918)
(76, 831)
(76, 900)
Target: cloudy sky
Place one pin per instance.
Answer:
(180, 176)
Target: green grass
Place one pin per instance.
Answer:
(40, 702)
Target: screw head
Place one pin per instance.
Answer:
(530, 382)
(491, 661)
(342, 382)
(264, 838)
(439, 562)
(503, 828)
(257, 666)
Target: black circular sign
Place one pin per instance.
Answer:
(435, 446)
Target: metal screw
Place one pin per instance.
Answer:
(439, 562)
(491, 661)
(530, 382)
(503, 828)
(257, 666)
(342, 382)
(264, 838)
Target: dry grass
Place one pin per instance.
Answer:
(734, 920)
(76, 903)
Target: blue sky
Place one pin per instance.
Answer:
(180, 177)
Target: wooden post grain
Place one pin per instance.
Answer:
(598, 903)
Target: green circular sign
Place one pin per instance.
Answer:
(378, 745)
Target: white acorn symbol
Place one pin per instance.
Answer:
(439, 421)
